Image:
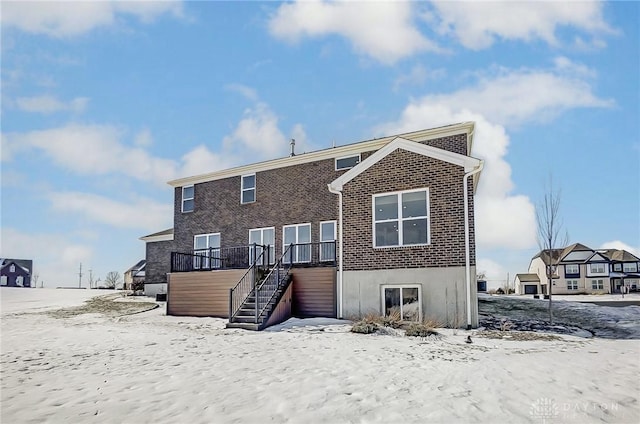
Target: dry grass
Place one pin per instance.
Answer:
(516, 335)
(104, 305)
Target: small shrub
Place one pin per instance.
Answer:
(392, 320)
(364, 327)
(420, 329)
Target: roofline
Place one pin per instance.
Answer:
(152, 238)
(469, 163)
(467, 128)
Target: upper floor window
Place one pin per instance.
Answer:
(617, 267)
(248, 189)
(401, 218)
(187, 198)
(572, 269)
(597, 268)
(12, 268)
(348, 162)
(630, 267)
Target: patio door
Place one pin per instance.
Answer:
(206, 250)
(300, 236)
(262, 237)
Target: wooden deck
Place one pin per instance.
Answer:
(201, 294)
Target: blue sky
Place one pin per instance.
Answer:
(104, 102)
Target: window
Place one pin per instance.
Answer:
(617, 267)
(572, 284)
(300, 236)
(187, 198)
(572, 269)
(597, 284)
(248, 189)
(206, 248)
(597, 268)
(403, 301)
(630, 267)
(3, 280)
(632, 284)
(328, 241)
(348, 162)
(12, 268)
(401, 218)
(263, 237)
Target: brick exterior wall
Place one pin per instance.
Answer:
(298, 194)
(396, 172)
(292, 195)
(158, 261)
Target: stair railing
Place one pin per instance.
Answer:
(268, 288)
(247, 284)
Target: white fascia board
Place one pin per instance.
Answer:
(469, 163)
(330, 153)
(164, 237)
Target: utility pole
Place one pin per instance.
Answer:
(80, 277)
(90, 278)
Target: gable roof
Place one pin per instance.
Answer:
(619, 255)
(467, 162)
(139, 266)
(7, 262)
(528, 278)
(164, 235)
(467, 128)
(546, 257)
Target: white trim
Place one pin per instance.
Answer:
(401, 286)
(467, 241)
(340, 250)
(347, 157)
(254, 188)
(163, 237)
(469, 163)
(400, 220)
(349, 149)
(193, 198)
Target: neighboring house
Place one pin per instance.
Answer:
(528, 284)
(579, 269)
(15, 272)
(158, 261)
(382, 226)
(135, 275)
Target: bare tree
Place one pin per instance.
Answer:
(549, 229)
(112, 279)
(34, 279)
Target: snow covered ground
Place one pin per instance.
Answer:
(154, 368)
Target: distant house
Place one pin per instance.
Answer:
(158, 261)
(528, 283)
(135, 275)
(15, 272)
(579, 269)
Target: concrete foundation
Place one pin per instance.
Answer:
(443, 293)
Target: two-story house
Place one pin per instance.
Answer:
(578, 269)
(383, 226)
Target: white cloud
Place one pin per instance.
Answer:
(48, 104)
(477, 25)
(141, 213)
(617, 244)
(201, 160)
(143, 138)
(63, 19)
(55, 257)
(418, 76)
(502, 218)
(248, 92)
(384, 31)
(511, 97)
(258, 132)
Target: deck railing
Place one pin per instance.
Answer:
(241, 257)
(247, 284)
(275, 280)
